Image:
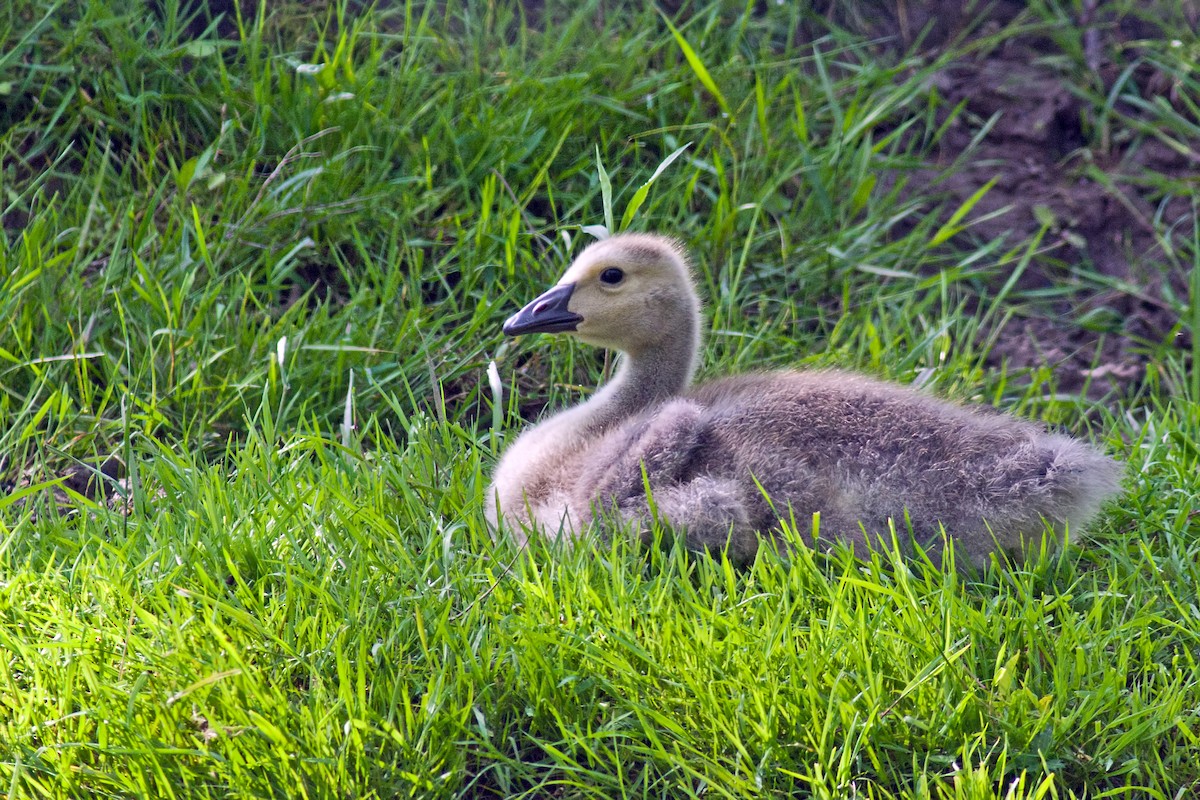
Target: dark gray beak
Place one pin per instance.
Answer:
(547, 314)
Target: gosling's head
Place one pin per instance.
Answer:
(630, 292)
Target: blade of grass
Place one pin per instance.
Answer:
(697, 66)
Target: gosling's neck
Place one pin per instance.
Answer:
(647, 376)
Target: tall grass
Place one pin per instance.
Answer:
(251, 276)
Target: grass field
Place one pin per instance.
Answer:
(252, 277)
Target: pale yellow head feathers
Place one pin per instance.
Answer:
(630, 292)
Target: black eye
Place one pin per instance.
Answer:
(612, 276)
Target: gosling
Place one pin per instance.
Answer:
(728, 461)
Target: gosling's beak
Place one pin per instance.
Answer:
(547, 314)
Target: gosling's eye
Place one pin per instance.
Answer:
(612, 276)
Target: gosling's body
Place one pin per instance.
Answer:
(727, 460)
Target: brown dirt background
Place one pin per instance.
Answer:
(1105, 197)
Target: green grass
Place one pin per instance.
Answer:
(262, 266)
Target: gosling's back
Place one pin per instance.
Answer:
(862, 453)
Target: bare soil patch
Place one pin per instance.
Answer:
(1026, 122)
